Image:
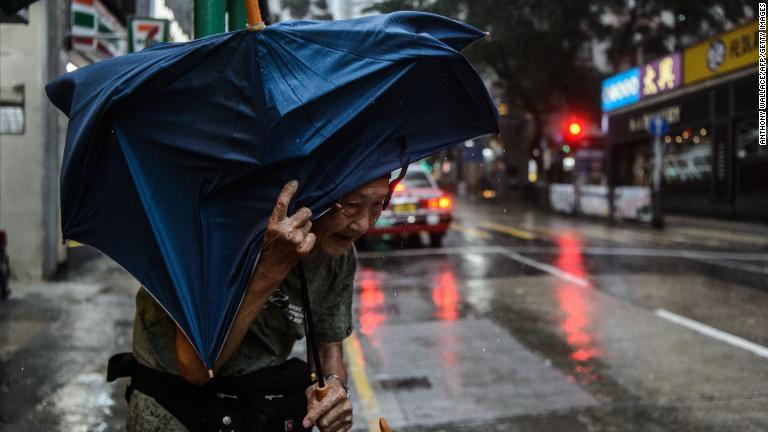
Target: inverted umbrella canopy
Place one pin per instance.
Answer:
(175, 154)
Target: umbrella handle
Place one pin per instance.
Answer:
(321, 393)
(254, 15)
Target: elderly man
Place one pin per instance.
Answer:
(270, 320)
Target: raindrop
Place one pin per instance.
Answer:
(498, 340)
(483, 349)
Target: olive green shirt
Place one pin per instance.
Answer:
(268, 341)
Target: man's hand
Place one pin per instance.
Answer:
(331, 414)
(287, 239)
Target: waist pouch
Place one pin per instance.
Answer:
(268, 400)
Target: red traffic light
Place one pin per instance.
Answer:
(573, 130)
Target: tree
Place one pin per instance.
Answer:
(541, 52)
(314, 9)
(641, 30)
(536, 50)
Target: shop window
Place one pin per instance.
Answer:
(745, 96)
(688, 156)
(746, 141)
(752, 158)
(720, 102)
(12, 110)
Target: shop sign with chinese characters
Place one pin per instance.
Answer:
(725, 53)
(661, 76)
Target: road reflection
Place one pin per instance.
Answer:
(444, 294)
(575, 302)
(372, 311)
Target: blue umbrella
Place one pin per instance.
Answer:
(175, 154)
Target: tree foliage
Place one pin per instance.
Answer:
(647, 29)
(314, 9)
(542, 52)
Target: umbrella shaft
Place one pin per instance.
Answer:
(309, 326)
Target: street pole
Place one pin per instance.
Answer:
(237, 17)
(657, 219)
(610, 178)
(209, 17)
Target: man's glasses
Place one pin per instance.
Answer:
(354, 209)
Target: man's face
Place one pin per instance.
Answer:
(338, 229)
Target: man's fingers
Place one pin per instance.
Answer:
(308, 243)
(330, 418)
(301, 217)
(280, 211)
(341, 425)
(306, 228)
(334, 419)
(320, 409)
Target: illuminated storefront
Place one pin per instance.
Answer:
(712, 164)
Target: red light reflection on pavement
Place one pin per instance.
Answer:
(575, 303)
(444, 294)
(372, 313)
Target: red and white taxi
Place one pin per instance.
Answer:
(417, 205)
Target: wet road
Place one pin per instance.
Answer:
(523, 321)
(527, 321)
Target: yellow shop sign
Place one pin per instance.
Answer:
(722, 54)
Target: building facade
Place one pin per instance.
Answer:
(37, 44)
(31, 138)
(712, 164)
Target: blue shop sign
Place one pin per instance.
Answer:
(621, 90)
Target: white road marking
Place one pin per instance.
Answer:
(640, 252)
(569, 277)
(714, 333)
(732, 265)
(508, 252)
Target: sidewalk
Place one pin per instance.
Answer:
(686, 231)
(55, 340)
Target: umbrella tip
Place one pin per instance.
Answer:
(383, 425)
(259, 26)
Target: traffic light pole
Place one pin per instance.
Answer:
(237, 17)
(209, 17)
